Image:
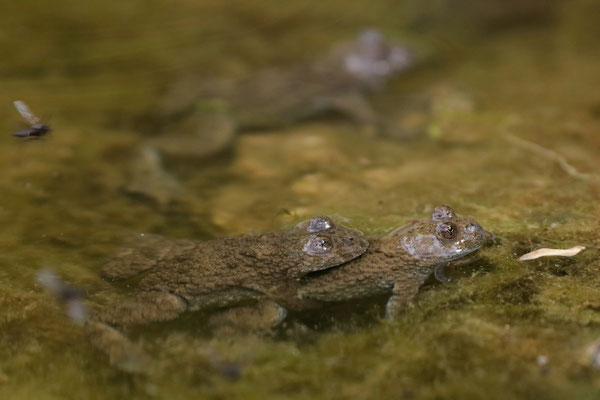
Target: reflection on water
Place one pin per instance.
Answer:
(120, 162)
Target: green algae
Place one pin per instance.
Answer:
(500, 329)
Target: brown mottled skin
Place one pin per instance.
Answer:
(166, 277)
(396, 264)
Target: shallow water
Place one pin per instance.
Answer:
(500, 329)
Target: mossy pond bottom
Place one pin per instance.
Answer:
(509, 111)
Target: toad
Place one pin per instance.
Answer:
(397, 263)
(202, 121)
(167, 277)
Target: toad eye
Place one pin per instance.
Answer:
(319, 224)
(446, 231)
(317, 245)
(442, 213)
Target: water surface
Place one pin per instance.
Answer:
(500, 329)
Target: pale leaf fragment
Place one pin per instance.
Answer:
(545, 252)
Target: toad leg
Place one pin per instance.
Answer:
(263, 315)
(355, 106)
(143, 308)
(149, 178)
(402, 293)
(121, 352)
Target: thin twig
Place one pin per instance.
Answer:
(553, 156)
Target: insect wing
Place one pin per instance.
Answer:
(26, 113)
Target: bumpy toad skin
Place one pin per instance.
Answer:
(169, 276)
(397, 263)
(203, 120)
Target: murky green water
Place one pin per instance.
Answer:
(500, 329)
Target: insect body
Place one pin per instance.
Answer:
(37, 129)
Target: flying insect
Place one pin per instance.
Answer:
(37, 129)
